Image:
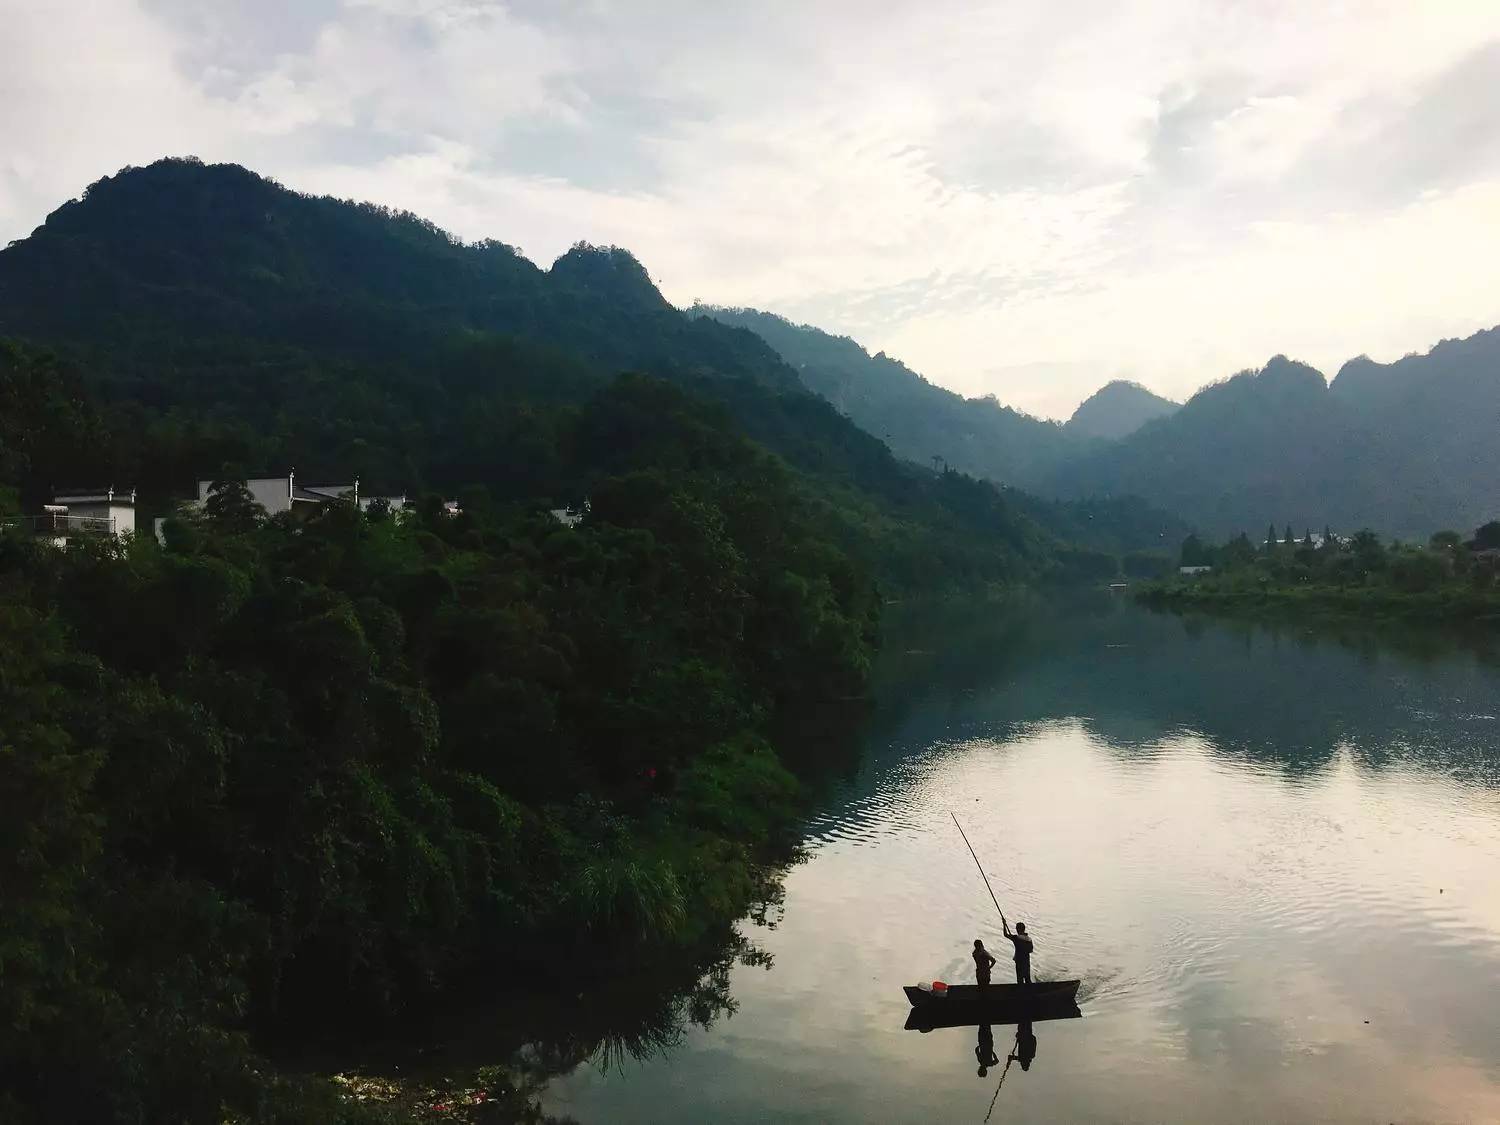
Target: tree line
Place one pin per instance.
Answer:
(277, 772)
(1451, 574)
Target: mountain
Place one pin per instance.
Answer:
(151, 262)
(220, 319)
(917, 419)
(1439, 413)
(1403, 448)
(1117, 410)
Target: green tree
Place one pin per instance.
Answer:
(231, 508)
(1368, 552)
(1270, 539)
(1239, 551)
(1487, 537)
(1193, 552)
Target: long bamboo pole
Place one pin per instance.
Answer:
(996, 1098)
(979, 865)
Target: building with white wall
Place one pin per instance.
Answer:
(86, 512)
(113, 508)
(283, 494)
(280, 495)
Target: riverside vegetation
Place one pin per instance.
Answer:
(278, 769)
(1450, 577)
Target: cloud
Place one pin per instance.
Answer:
(1395, 283)
(1025, 200)
(84, 89)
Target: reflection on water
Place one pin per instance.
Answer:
(1270, 855)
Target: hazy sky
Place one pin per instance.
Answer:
(1024, 199)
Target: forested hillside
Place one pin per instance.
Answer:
(223, 320)
(919, 420)
(927, 424)
(1404, 448)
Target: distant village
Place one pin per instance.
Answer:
(111, 511)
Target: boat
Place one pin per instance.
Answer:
(989, 994)
(969, 1005)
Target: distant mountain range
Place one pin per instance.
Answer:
(1404, 448)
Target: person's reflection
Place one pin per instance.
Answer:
(985, 1051)
(1025, 1045)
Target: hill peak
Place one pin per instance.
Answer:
(608, 271)
(1118, 409)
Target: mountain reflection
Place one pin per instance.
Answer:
(1289, 694)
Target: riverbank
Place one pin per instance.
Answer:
(1447, 604)
(487, 1052)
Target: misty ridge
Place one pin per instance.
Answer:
(1403, 448)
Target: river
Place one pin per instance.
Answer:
(1270, 853)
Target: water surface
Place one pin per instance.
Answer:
(1271, 855)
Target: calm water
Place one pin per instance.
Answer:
(1272, 856)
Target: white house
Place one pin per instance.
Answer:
(284, 494)
(86, 511)
(278, 495)
(1190, 571)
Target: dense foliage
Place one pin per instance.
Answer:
(1449, 576)
(277, 769)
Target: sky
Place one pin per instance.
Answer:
(1018, 199)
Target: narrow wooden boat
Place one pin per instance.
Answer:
(969, 1005)
(993, 994)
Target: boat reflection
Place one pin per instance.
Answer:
(985, 1007)
(971, 1006)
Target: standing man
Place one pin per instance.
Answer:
(1022, 942)
(984, 961)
